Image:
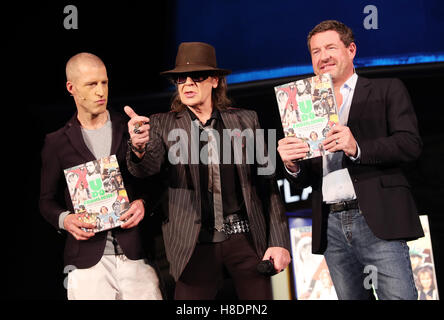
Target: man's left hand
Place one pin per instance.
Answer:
(134, 215)
(280, 257)
(341, 138)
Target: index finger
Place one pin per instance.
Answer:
(139, 121)
(130, 112)
(83, 230)
(289, 140)
(85, 225)
(127, 214)
(335, 129)
(86, 234)
(134, 116)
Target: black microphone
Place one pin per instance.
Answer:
(266, 268)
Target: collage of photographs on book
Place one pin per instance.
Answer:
(308, 111)
(98, 193)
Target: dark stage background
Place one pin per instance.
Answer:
(136, 42)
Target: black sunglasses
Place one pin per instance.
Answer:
(181, 79)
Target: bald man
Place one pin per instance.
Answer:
(110, 264)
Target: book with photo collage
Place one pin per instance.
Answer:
(308, 111)
(98, 193)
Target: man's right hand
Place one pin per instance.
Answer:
(290, 149)
(73, 225)
(138, 129)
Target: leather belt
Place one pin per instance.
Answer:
(343, 205)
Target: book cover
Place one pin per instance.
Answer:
(308, 111)
(423, 265)
(312, 279)
(98, 193)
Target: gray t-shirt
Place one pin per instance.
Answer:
(99, 140)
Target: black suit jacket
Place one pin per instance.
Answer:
(66, 148)
(264, 206)
(383, 122)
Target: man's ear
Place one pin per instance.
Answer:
(70, 87)
(352, 50)
(215, 81)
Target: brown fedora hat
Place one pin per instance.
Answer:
(194, 57)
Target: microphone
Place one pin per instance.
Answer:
(266, 268)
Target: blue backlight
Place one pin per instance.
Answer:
(254, 75)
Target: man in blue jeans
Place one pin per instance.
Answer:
(363, 210)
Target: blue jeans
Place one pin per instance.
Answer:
(357, 259)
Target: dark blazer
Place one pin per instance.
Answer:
(264, 206)
(383, 122)
(66, 148)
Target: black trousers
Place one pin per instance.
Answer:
(203, 275)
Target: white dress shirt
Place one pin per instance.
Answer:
(336, 183)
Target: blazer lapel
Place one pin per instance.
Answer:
(360, 98)
(118, 128)
(75, 137)
(231, 121)
(183, 119)
(357, 107)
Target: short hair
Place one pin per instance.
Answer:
(345, 33)
(73, 63)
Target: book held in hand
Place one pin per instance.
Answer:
(308, 111)
(98, 193)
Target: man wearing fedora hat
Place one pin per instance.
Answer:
(223, 217)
